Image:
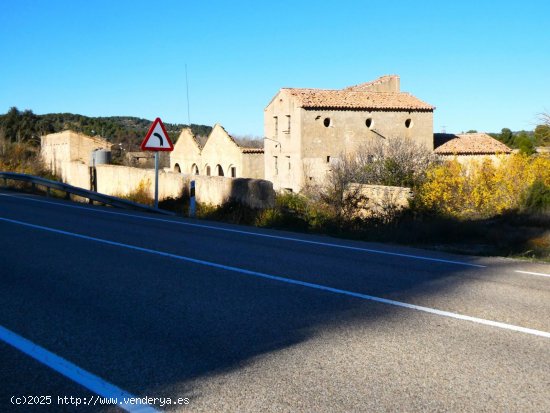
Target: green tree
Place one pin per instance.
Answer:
(542, 135)
(506, 137)
(525, 143)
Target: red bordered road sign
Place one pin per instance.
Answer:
(157, 138)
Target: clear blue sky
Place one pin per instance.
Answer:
(484, 64)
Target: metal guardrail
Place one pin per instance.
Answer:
(81, 192)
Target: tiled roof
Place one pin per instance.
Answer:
(468, 144)
(251, 150)
(354, 99)
(366, 86)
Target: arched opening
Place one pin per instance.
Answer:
(177, 168)
(194, 169)
(219, 170)
(208, 172)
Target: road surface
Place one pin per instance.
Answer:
(171, 314)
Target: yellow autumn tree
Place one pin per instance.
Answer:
(483, 188)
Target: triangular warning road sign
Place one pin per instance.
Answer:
(157, 139)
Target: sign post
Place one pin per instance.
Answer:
(157, 140)
(156, 179)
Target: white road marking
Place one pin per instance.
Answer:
(534, 273)
(292, 281)
(256, 234)
(86, 379)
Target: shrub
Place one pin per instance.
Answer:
(140, 194)
(390, 162)
(481, 189)
(22, 158)
(537, 197)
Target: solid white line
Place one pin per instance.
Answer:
(86, 379)
(293, 281)
(256, 234)
(534, 273)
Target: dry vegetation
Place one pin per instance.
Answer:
(485, 209)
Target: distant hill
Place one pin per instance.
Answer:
(25, 126)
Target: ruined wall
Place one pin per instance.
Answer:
(216, 190)
(60, 150)
(118, 180)
(122, 180)
(82, 146)
(186, 153)
(380, 199)
(221, 150)
(253, 165)
(77, 174)
(68, 153)
(283, 143)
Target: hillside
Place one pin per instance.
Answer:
(26, 126)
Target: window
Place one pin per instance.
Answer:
(194, 169)
(233, 171)
(276, 126)
(328, 158)
(276, 165)
(288, 161)
(327, 122)
(368, 123)
(208, 170)
(219, 170)
(408, 123)
(177, 168)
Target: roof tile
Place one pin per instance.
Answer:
(468, 144)
(357, 99)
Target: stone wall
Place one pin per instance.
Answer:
(67, 154)
(217, 190)
(380, 199)
(118, 180)
(122, 180)
(60, 150)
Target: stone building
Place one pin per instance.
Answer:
(69, 146)
(467, 147)
(306, 130)
(219, 155)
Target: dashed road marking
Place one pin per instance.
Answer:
(534, 273)
(442, 313)
(256, 234)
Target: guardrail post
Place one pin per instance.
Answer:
(48, 191)
(192, 204)
(67, 195)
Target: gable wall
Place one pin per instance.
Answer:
(186, 153)
(283, 148)
(221, 150)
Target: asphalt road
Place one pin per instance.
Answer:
(96, 301)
